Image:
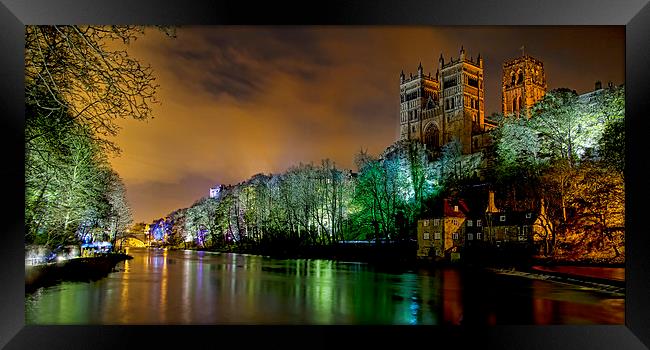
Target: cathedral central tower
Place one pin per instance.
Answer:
(524, 83)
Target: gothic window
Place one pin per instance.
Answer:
(519, 103)
(512, 77)
(432, 137)
(472, 82)
(514, 105)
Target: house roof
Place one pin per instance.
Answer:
(474, 207)
(447, 208)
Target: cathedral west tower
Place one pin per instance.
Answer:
(450, 104)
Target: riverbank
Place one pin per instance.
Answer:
(402, 254)
(75, 269)
(403, 258)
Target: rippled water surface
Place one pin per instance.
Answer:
(188, 287)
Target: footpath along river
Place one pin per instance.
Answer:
(190, 287)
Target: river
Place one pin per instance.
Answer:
(190, 287)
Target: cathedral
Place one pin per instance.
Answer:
(451, 104)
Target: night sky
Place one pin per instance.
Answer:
(236, 101)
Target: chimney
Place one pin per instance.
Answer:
(491, 208)
(599, 85)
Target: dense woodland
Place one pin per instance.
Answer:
(570, 153)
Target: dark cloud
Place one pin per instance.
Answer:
(237, 61)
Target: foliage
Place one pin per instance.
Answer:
(88, 78)
(76, 85)
(569, 154)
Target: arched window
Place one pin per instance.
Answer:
(520, 78)
(519, 103)
(432, 137)
(514, 105)
(512, 78)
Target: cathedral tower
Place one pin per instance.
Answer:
(523, 85)
(417, 95)
(462, 99)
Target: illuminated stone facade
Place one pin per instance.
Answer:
(442, 235)
(434, 109)
(523, 84)
(450, 104)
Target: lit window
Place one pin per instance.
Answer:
(478, 223)
(436, 235)
(455, 221)
(469, 223)
(529, 215)
(455, 208)
(436, 222)
(470, 237)
(426, 222)
(426, 235)
(478, 235)
(454, 235)
(502, 218)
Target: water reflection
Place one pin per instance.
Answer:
(187, 287)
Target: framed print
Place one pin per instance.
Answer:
(219, 172)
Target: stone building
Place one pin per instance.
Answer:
(523, 84)
(440, 236)
(450, 104)
(461, 228)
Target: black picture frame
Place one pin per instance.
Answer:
(633, 14)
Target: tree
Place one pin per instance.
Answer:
(566, 127)
(612, 145)
(118, 217)
(87, 77)
(77, 82)
(518, 162)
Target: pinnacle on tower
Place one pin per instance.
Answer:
(462, 50)
(441, 60)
